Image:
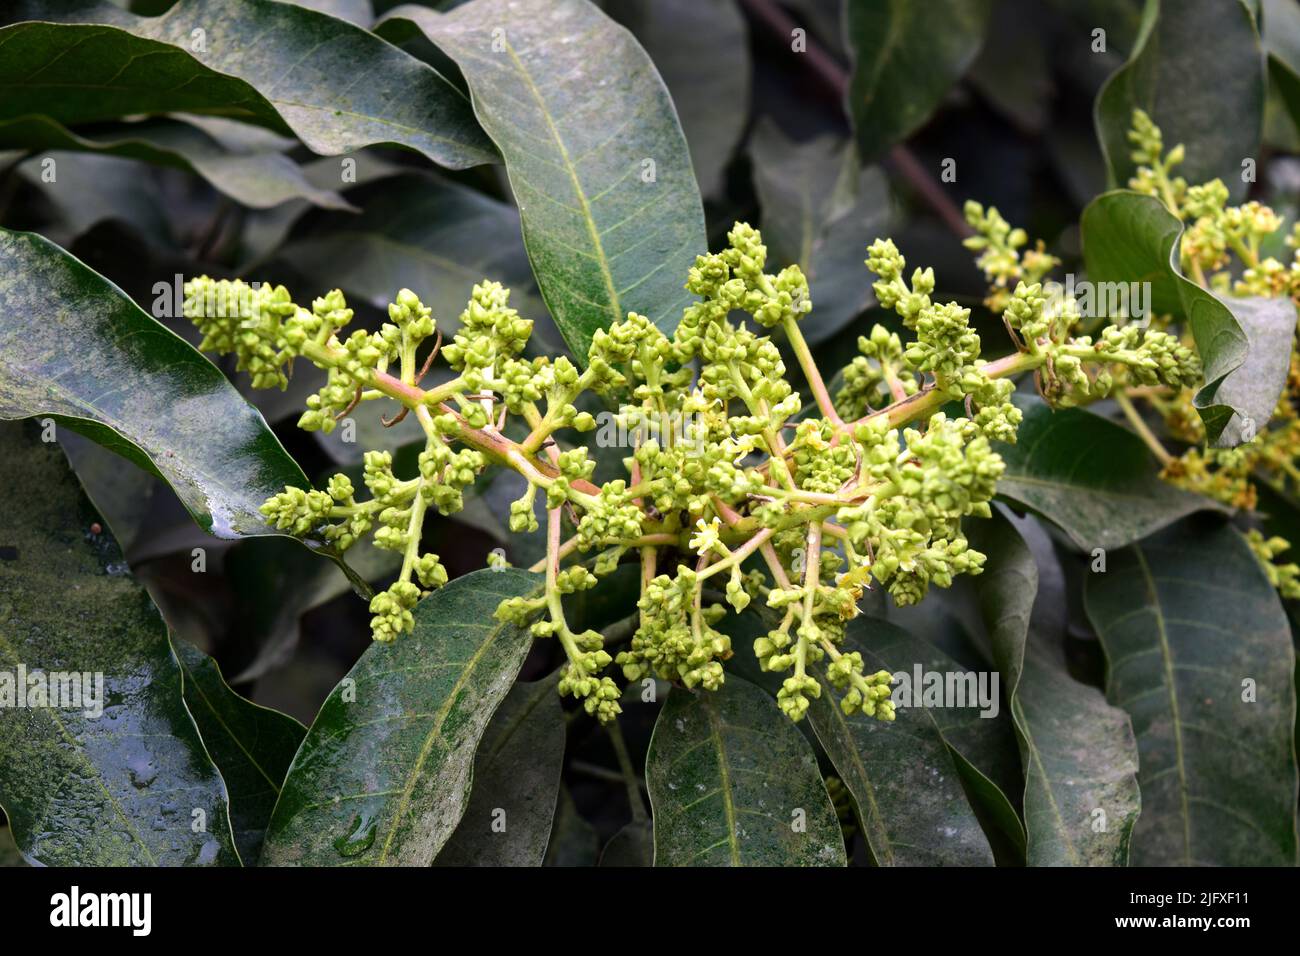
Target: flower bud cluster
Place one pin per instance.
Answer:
(734, 494)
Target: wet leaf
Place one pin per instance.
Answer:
(384, 774)
(121, 779)
(69, 339)
(251, 745)
(733, 783)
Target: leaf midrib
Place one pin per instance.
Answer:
(724, 783)
(435, 731)
(579, 192)
(1166, 655)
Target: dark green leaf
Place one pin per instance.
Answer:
(73, 347)
(384, 774)
(820, 211)
(906, 56)
(1078, 752)
(698, 45)
(902, 775)
(516, 780)
(336, 86)
(251, 745)
(733, 783)
(574, 841)
(1281, 28)
(422, 233)
(632, 846)
(275, 582)
(1014, 69)
(611, 212)
(122, 779)
(264, 230)
(1212, 104)
(88, 189)
(1244, 343)
(1199, 653)
(258, 179)
(1089, 476)
(10, 855)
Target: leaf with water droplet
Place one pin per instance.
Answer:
(360, 836)
(81, 789)
(395, 742)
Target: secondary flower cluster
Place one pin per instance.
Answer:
(1222, 249)
(749, 499)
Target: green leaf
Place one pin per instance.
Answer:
(74, 348)
(384, 774)
(903, 775)
(733, 783)
(333, 84)
(632, 846)
(1079, 753)
(574, 841)
(1199, 653)
(906, 56)
(1014, 69)
(265, 230)
(89, 189)
(516, 782)
(251, 745)
(1281, 26)
(1213, 105)
(1244, 343)
(259, 179)
(121, 779)
(611, 212)
(424, 233)
(354, 11)
(698, 45)
(820, 211)
(1092, 478)
(10, 855)
(275, 582)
